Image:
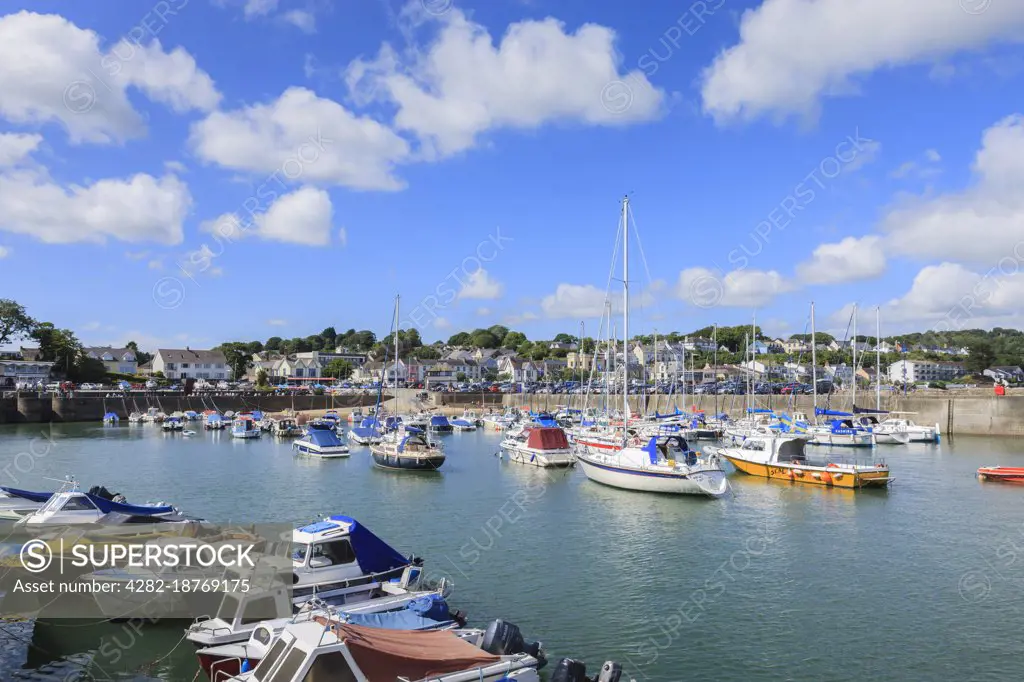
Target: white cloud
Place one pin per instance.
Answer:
(15, 147)
(792, 52)
(585, 301)
(462, 84)
(948, 296)
(4, 252)
(136, 255)
(155, 264)
(342, 236)
(483, 312)
(259, 8)
(530, 315)
(301, 19)
(301, 217)
(442, 323)
(175, 167)
(91, 326)
(926, 167)
(300, 136)
(140, 208)
(480, 285)
(848, 260)
(277, 323)
(981, 224)
(52, 70)
(706, 288)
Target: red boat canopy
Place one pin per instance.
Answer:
(547, 438)
(386, 655)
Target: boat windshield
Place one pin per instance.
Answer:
(299, 554)
(268, 662)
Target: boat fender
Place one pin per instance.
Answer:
(816, 475)
(831, 465)
(826, 477)
(610, 672)
(798, 472)
(791, 474)
(245, 666)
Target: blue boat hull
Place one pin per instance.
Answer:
(392, 461)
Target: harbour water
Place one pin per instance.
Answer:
(924, 581)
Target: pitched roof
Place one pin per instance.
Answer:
(190, 355)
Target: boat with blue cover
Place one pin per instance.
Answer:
(841, 431)
(367, 433)
(439, 424)
(321, 440)
(337, 560)
(405, 450)
(462, 424)
(245, 427)
(111, 418)
(70, 506)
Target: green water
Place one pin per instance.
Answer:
(776, 582)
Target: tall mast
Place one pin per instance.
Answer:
(878, 358)
(625, 314)
(607, 351)
(714, 371)
(654, 390)
(854, 395)
(814, 366)
(397, 303)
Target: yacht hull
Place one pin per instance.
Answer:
(399, 462)
(813, 475)
(652, 482)
(538, 458)
(313, 450)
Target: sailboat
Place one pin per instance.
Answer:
(660, 464)
(404, 449)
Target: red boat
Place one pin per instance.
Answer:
(1004, 474)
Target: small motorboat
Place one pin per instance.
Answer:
(244, 426)
(215, 422)
(540, 446)
(367, 433)
(286, 428)
(135, 418)
(173, 424)
(321, 440)
(1003, 474)
(70, 506)
(461, 424)
(364, 654)
(439, 424)
(188, 432)
(111, 418)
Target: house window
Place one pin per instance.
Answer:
(184, 365)
(171, 365)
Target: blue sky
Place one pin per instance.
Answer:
(437, 137)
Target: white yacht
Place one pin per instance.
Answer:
(539, 446)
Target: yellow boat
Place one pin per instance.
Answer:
(780, 456)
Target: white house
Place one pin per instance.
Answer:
(121, 360)
(1008, 374)
(14, 372)
(698, 343)
(913, 371)
(191, 364)
(517, 369)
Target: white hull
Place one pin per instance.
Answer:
(706, 483)
(305, 447)
(540, 458)
(861, 440)
(894, 438)
(245, 434)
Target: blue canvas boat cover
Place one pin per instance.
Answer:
(323, 437)
(211, 418)
(422, 613)
(112, 416)
(27, 494)
(439, 420)
(373, 554)
(822, 412)
(106, 506)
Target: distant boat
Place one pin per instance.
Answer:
(1002, 474)
(215, 422)
(461, 424)
(111, 418)
(367, 433)
(439, 424)
(172, 424)
(245, 427)
(539, 446)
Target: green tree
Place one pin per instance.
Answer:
(330, 337)
(141, 356)
(338, 369)
(564, 338)
(540, 351)
(87, 369)
(261, 378)
(273, 343)
(59, 346)
(426, 353)
(498, 331)
(460, 376)
(981, 358)
(460, 339)
(238, 356)
(484, 338)
(588, 345)
(513, 339)
(15, 323)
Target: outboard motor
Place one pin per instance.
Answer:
(610, 672)
(570, 670)
(505, 639)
